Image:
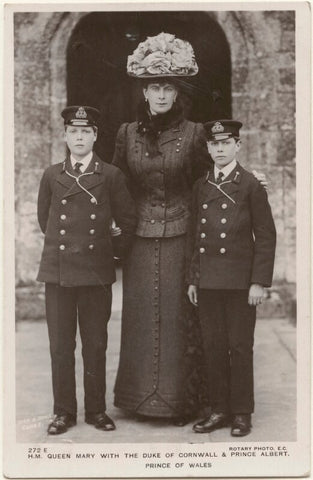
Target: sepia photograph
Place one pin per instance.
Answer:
(157, 301)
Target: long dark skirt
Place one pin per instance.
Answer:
(160, 357)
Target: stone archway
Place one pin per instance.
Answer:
(96, 66)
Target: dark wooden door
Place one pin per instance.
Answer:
(96, 66)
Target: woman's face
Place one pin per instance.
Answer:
(160, 96)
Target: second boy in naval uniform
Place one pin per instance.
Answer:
(232, 247)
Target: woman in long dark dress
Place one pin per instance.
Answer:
(162, 154)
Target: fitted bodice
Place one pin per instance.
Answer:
(162, 185)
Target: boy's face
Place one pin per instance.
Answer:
(80, 140)
(223, 151)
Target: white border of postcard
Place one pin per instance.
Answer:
(297, 460)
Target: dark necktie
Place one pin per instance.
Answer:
(77, 167)
(219, 178)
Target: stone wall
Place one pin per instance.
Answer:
(263, 95)
(263, 91)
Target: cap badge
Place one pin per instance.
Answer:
(217, 128)
(81, 113)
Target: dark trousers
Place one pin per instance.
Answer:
(227, 324)
(91, 306)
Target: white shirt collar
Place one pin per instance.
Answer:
(85, 161)
(225, 170)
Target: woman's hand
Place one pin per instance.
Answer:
(115, 230)
(261, 177)
(193, 294)
(256, 294)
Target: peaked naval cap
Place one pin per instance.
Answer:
(222, 129)
(162, 56)
(80, 116)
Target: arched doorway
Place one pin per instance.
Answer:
(96, 66)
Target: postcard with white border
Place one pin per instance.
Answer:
(157, 240)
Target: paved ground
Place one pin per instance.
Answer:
(275, 387)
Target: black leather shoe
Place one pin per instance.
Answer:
(241, 425)
(181, 421)
(60, 424)
(211, 423)
(100, 420)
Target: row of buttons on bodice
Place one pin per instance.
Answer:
(156, 320)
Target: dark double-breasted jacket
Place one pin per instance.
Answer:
(232, 236)
(162, 185)
(76, 220)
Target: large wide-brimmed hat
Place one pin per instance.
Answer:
(162, 56)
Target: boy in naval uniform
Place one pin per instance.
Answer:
(76, 203)
(232, 241)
